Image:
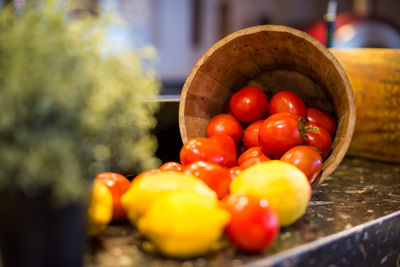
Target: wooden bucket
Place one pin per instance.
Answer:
(273, 58)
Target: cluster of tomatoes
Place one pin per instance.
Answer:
(253, 130)
(282, 129)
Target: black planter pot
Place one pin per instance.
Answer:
(33, 233)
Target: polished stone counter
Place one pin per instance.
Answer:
(353, 219)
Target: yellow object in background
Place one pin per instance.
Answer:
(184, 224)
(146, 189)
(375, 77)
(100, 208)
(284, 186)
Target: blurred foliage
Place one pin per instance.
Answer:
(69, 109)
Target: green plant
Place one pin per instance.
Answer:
(69, 109)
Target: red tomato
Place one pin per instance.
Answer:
(285, 101)
(280, 132)
(322, 117)
(305, 158)
(253, 225)
(234, 171)
(118, 185)
(252, 161)
(250, 135)
(225, 124)
(254, 152)
(249, 104)
(171, 166)
(214, 175)
(319, 138)
(220, 149)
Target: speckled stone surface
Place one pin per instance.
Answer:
(353, 219)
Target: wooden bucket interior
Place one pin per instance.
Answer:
(273, 58)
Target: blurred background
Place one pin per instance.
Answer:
(183, 30)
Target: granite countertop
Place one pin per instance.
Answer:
(353, 219)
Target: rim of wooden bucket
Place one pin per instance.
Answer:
(342, 142)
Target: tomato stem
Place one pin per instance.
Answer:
(303, 128)
(316, 149)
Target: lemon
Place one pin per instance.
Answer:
(100, 208)
(284, 186)
(146, 189)
(184, 224)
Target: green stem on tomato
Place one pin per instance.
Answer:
(303, 128)
(316, 149)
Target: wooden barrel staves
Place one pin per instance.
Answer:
(375, 77)
(273, 58)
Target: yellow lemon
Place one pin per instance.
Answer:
(146, 189)
(184, 224)
(284, 186)
(100, 208)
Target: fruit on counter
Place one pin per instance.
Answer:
(225, 124)
(306, 158)
(176, 206)
(319, 138)
(118, 185)
(100, 209)
(249, 104)
(253, 225)
(322, 117)
(250, 134)
(146, 189)
(220, 149)
(171, 166)
(285, 101)
(284, 186)
(212, 174)
(184, 224)
(280, 132)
